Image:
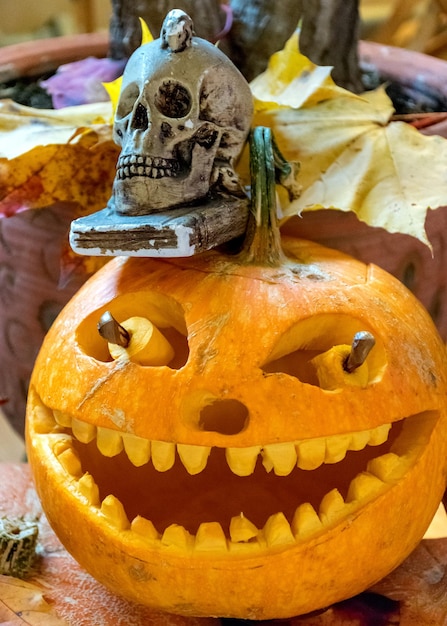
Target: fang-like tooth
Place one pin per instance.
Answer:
(210, 538)
(277, 531)
(311, 453)
(137, 449)
(241, 529)
(144, 528)
(359, 440)
(242, 461)
(305, 521)
(336, 448)
(364, 487)
(331, 507)
(379, 435)
(62, 419)
(114, 511)
(386, 467)
(109, 442)
(89, 489)
(70, 462)
(194, 458)
(82, 431)
(163, 455)
(279, 456)
(178, 537)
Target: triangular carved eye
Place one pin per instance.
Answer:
(296, 351)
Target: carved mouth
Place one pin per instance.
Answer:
(239, 499)
(130, 166)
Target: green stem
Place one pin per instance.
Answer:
(262, 245)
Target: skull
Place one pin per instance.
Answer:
(183, 116)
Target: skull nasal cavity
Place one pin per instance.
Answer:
(227, 417)
(140, 120)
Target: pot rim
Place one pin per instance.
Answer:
(31, 58)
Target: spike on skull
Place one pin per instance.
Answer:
(182, 119)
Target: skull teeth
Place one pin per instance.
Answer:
(243, 537)
(130, 166)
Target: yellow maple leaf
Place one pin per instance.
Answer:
(292, 80)
(353, 156)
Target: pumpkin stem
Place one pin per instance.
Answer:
(262, 245)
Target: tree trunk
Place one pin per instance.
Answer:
(329, 36)
(329, 31)
(125, 31)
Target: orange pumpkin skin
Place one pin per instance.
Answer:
(242, 382)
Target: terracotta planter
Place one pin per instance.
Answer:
(30, 242)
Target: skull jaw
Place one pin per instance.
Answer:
(142, 197)
(143, 194)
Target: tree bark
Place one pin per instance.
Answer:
(329, 31)
(260, 28)
(125, 31)
(329, 36)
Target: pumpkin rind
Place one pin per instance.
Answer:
(237, 323)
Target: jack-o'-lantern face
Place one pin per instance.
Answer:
(242, 474)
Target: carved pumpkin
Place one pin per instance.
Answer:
(246, 474)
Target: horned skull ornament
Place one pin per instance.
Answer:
(182, 118)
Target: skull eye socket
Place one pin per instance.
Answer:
(173, 99)
(127, 100)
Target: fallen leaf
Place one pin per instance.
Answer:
(52, 157)
(353, 158)
(23, 603)
(292, 80)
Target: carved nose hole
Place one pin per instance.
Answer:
(227, 417)
(140, 119)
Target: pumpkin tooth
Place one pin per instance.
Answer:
(44, 421)
(387, 467)
(70, 462)
(138, 449)
(331, 507)
(194, 458)
(359, 440)
(176, 536)
(305, 521)
(82, 431)
(60, 443)
(277, 531)
(210, 538)
(163, 455)
(241, 529)
(242, 461)
(89, 489)
(114, 511)
(336, 448)
(364, 487)
(63, 419)
(281, 457)
(144, 528)
(379, 435)
(311, 453)
(109, 442)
